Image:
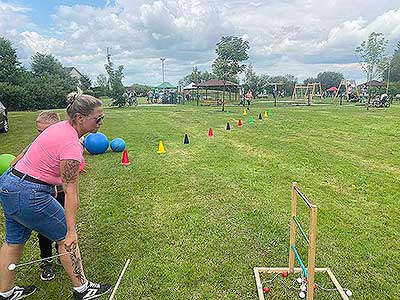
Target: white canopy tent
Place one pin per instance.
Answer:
(190, 86)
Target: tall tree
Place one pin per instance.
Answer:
(86, 82)
(310, 80)
(231, 52)
(252, 81)
(116, 87)
(372, 58)
(46, 64)
(194, 77)
(394, 67)
(10, 67)
(329, 79)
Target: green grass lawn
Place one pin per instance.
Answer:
(196, 220)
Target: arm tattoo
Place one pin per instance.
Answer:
(71, 171)
(76, 265)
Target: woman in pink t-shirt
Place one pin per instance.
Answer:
(27, 197)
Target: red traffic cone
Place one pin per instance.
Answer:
(210, 133)
(125, 159)
(240, 123)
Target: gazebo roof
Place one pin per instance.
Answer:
(213, 83)
(374, 83)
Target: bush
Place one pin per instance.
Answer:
(11, 96)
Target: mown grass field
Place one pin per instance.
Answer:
(196, 220)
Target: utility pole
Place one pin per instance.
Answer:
(162, 67)
(110, 64)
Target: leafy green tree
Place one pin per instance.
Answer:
(231, 52)
(11, 76)
(49, 83)
(252, 81)
(372, 58)
(86, 82)
(194, 77)
(140, 89)
(101, 86)
(329, 79)
(207, 76)
(394, 66)
(46, 64)
(310, 80)
(116, 87)
(288, 81)
(10, 67)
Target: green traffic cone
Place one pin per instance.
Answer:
(251, 120)
(228, 113)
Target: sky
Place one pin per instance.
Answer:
(298, 37)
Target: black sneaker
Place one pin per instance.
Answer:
(93, 290)
(47, 272)
(20, 292)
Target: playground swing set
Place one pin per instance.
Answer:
(306, 281)
(350, 90)
(307, 92)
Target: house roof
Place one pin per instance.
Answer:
(69, 70)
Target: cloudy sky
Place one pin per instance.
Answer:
(299, 37)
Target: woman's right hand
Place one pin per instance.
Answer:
(71, 239)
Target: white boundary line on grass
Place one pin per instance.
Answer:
(119, 279)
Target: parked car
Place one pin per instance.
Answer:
(3, 119)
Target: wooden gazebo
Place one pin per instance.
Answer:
(218, 85)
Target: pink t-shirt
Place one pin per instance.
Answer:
(42, 160)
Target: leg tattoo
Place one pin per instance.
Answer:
(76, 264)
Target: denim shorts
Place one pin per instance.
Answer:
(30, 206)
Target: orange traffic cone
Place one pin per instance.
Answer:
(125, 158)
(240, 123)
(210, 133)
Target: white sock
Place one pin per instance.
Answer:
(82, 288)
(7, 294)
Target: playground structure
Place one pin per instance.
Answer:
(350, 88)
(309, 272)
(309, 91)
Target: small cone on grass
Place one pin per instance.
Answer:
(260, 116)
(161, 148)
(244, 112)
(228, 113)
(210, 133)
(186, 139)
(125, 158)
(240, 123)
(269, 112)
(265, 114)
(228, 127)
(251, 120)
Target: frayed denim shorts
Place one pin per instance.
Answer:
(30, 206)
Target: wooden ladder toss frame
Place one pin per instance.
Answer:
(312, 238)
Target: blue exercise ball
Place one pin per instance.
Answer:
(117, 145)
(96, 143)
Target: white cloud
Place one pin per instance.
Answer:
(299, 37)
(37, 43)
(12, 16)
